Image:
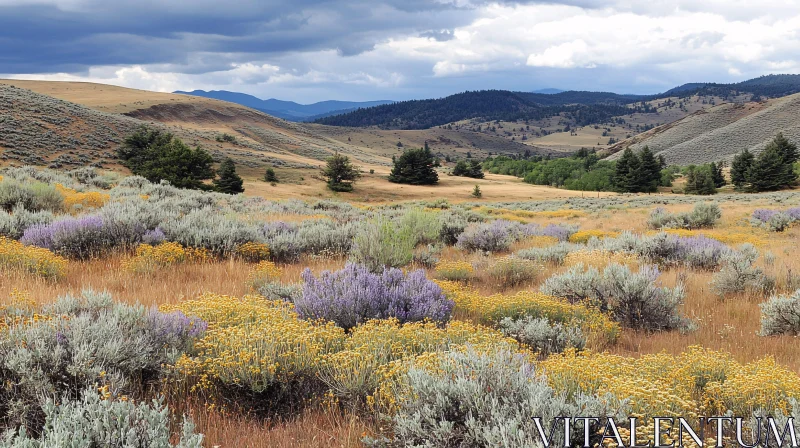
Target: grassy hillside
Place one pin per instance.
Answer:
(721, 132)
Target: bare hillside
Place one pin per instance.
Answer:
(720, 132)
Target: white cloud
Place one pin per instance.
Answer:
(633, 46)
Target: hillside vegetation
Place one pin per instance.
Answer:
(721, 132)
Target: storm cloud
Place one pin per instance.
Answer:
(309, 50)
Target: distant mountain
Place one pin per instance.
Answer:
(288, 110)
(486, 104)
(548, 91)
(772, 86)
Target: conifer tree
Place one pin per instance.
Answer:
(415, 167)
(228, 182)
(740, 169)
(270, 176)
(340, 173)
(627, 176)
(719, 178)
(768, 170)
(650, 171)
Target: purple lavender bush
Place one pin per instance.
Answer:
(354, 295)
(494, 236)
(700, 252)
(79, 238)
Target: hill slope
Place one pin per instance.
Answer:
(288, 110)
(721, 132)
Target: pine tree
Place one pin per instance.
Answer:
(340, 173)
(719, 178)
(476, 170)
(740, 169)
(627, 177)
(476, 192)
(767, 172)
(650, 171)
(789, 155)
(460, 169)
(270, 176)
(228, 182)
(415, 167)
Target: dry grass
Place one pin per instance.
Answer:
(324, 428)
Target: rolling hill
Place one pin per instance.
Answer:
(288, 110)
(720, 132)
(69, 124)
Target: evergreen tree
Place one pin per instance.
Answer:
(460, 169)
(157, 156)
(719, 178)
(650, 171)
(270, 176)
(768, 170)
(476, 170)
(699, 180)
(340, 173)
(415, 167)
(740, 169)
(228, 182)
(789, 156)
(627, 177)
(476, 192)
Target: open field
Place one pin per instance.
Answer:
(256, 369)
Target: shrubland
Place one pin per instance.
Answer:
(429, 322)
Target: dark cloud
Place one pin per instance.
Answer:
(48, 37)
(439, 35)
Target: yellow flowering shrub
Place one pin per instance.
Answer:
(20, 309)
(696, 382)
(454, 270)
(15, 256)
(539, 241)
(253, 252)
(598, 327)
(89, 199)
(354, 372)
(150, 258)
(254, 342)
(599, 258)
(583, 236)
(265, 272)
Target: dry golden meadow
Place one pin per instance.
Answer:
(730, 324)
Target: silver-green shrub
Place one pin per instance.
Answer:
(382, 243)
(485, 400)
(93, 421)
(704, 215)
(86, 340)
(739, 273)
(781, 315)
(555, 254)
(34, 196)
(542, 336)
(635, 299)
(208, 228)
(14, 224)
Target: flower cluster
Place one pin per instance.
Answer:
(75, 200)
(599, 258)
(696, 382)
(264, 273)
(583, 236)
(253, 252)
(355, 295)
(32, 260)
(454, 270)
(600, 329)
(151, 258)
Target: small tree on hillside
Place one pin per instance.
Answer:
(228, 182)
(340, 173)
(157, 156)
(270, 176)
(650, 171)
(415, 167)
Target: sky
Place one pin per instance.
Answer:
(358, 50)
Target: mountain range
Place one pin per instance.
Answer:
(288, 110)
